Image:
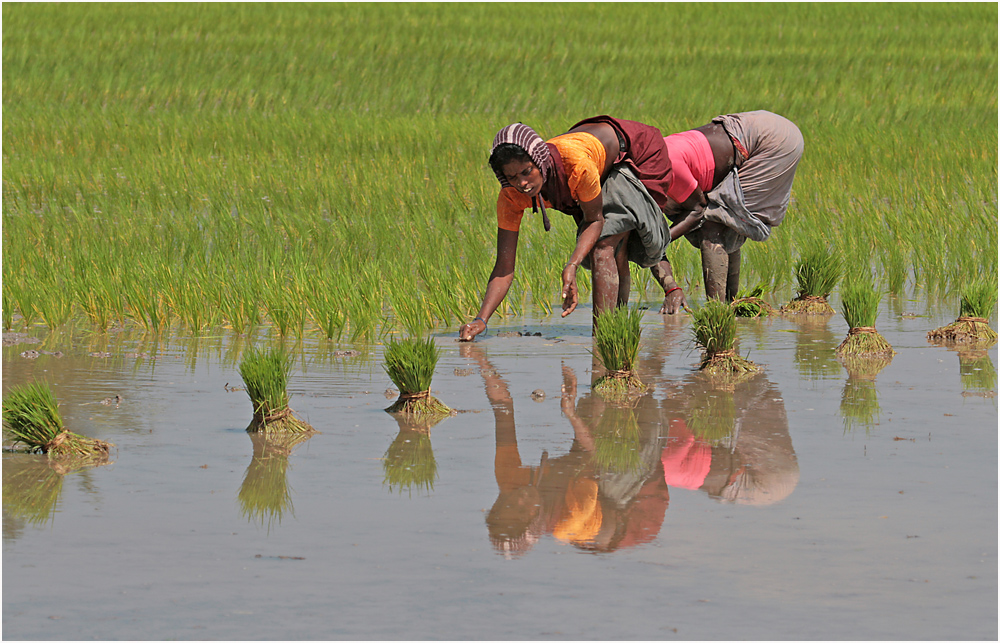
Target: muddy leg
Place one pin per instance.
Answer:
(714, 260)
(733, 278)
(605, 274)
(624, 276)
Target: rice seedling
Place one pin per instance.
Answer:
(31, 417)
(410, 364)
(714, 327)
(616, 345)
(979, 298)
(860, 302)
(817, 273)
(409, 461)
(749, 304)
(264, 495)
(265, 375)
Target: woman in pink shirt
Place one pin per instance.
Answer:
(737, 171)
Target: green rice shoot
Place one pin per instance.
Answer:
(31, 417)
(616, 346)
(265, 375)
(748, 303)
(817, 272)
(410, 364)
(859, 303)
(714, 328)
(979, 298)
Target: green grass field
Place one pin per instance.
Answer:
(322, 168)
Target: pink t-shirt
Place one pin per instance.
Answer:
(692, 161)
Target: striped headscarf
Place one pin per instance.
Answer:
(526, 138)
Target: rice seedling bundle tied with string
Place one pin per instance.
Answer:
(748, 303)
(714, 326)
(265, 374)
(973, 323)
(616, 344)
(860, 307)
(31, 417)
(410, 364)
(816, 272)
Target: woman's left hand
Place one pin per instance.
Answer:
(570, 294)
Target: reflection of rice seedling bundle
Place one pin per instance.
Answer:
(860, 306)
(817, 272)
(713, 415)
(616, 441)
(714, 326)
(409, 461)
(265, 375)
(410, 364)
(973, 323)
(977, 371)
(264, 494)
(30, 489)
(864, 366)
(749, 304)
(31, 417)
(616, 345)
(859, 404)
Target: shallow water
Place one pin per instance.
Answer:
(806, 503)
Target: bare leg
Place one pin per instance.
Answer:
(606, 282)
(733, 278)
(714, 260)
(624, 276)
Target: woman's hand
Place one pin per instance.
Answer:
(570, 293)
(674, 301)
(467, 332)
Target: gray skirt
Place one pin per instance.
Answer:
(628, 207)
(754, 197)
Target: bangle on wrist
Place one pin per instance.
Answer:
(484, 323)
(671, 290)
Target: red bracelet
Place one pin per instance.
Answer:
(671, 290)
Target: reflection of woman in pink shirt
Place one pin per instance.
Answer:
(686, 459)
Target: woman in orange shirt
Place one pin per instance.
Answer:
(612, 176)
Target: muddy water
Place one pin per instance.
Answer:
(805, 503)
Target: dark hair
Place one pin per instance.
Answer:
(504, 154)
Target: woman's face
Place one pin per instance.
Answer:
(524, 176)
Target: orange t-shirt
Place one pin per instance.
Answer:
(583, 158)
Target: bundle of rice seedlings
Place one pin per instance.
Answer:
(714, 326)
(265, 376)
(973, 323)
(817, 272)
(31, 417)
(860, 307)
(979, 376)
(749, 304)
(616, 345)
(616, 441)
(265, 496)
(409, 461)
(410, 364)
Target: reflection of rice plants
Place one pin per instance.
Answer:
(749, 304)
(31, 417)
(616, 345)
(409, 461)
(410, 364)
(713, 415)
(978, 374)
(30, 489)
(264, 495)
(616, 441)
(972, 326)
(265, 375)
(816, 272)
(714, 326)
(859, 404)
(860, 307)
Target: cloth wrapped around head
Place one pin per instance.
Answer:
(538, 151)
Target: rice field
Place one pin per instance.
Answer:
(321, 169)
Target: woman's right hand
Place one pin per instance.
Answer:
(467, 332)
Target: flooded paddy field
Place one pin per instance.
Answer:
(804, 503)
